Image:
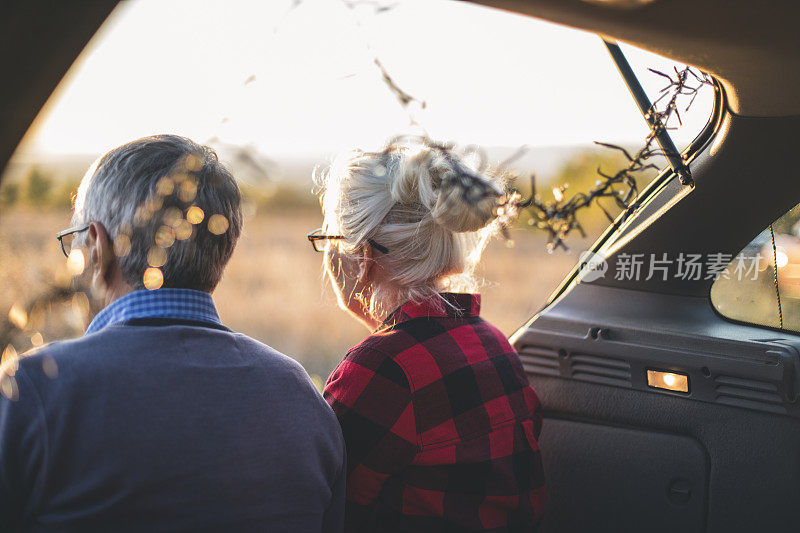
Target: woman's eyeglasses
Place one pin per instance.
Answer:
(67, 237)
(317, 239)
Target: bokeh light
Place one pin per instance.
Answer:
(18, 316)
(217, 224)
(187, 190)
(37, 339)
(183, 230)
(8, 387)
(153, 278)
(165, 186)
(165, 237)
(193, 163)
(122, 245)
(142, 216)
(156, 257)
(76, 262)
(172, 216)
(8, 355)
(195, 215)
(781, 258)
(49, 367)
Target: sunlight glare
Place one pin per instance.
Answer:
(781, 258)
(348, 105)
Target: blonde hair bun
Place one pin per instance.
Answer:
(421, 201)
(466, 203)
(458, 198)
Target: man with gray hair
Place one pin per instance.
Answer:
(160, 418)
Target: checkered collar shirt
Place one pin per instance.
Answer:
(186, 304)
(446, 305)
(440, 424)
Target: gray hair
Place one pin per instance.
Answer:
(416, 199)
(167, 203)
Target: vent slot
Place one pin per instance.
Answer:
(750, 393)
(603, 370)
(750, 384)
(539, 360)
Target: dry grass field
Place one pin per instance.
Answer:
(273, 289)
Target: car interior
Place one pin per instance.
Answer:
(662, 413)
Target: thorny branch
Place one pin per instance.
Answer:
(403, 97)
(559, 217)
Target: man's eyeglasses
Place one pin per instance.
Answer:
(66, 237)
(317, 239)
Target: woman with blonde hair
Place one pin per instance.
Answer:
(439, 421)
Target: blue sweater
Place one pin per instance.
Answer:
(167, 425)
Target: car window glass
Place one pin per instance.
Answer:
(277, 88)
(747, 289)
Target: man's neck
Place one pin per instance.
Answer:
(115, 293)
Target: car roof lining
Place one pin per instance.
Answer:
(750, 48)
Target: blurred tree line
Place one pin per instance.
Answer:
(38, 189)
(579, 173)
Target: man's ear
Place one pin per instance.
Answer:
(101, 254)
(365, 264)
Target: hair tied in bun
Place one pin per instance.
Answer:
(466, 202)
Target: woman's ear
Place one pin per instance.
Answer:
(365, 264)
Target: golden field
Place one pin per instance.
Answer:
(273, 289)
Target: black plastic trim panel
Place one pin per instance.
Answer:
(575, 340)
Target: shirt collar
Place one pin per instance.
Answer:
(185, 304)
(442, 305)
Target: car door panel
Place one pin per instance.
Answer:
(626, 453)
(672, 471)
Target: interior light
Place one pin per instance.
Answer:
(673, 381)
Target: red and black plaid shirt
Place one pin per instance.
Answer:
(440, 424)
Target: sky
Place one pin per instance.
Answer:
(292, 77)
